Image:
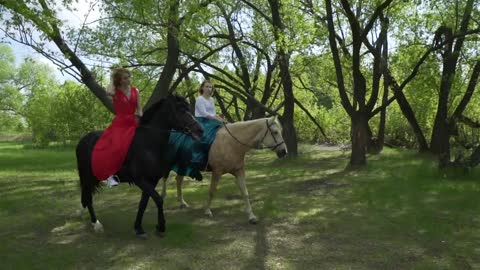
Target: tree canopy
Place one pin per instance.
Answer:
(337, 71)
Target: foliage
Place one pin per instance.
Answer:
(76, 112)
(315, 89)
(33, 100)
(10, 97)
(134, 33)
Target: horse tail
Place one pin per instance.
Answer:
(88, 182)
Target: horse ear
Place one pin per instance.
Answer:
(275, 120)
(271, 120)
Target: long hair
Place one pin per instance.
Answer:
(200, 90)
(115, 79)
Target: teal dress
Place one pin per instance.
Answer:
(189, 156)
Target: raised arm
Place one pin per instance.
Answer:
(138, 111)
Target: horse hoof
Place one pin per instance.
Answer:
(142, 236)
(140, 233)
(253, 221)
(208, 213)
(160, 229)
(97, 227)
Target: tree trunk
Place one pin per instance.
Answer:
(249, 107)
(407, 112)
(380, 142)
(290, 136)
(359, 139)
(289, 132)
(259, 112)
(440, 143)
(190, 87)
(162, 88)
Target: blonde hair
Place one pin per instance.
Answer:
(200, 90)
(115, 79)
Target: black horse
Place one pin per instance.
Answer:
(145, 162)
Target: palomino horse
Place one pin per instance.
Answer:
(227, 155)
(143, 164)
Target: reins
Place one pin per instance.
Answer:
(256, 146)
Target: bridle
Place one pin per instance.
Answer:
(187, 129)
(259, 143)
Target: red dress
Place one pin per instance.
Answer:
(111, 148)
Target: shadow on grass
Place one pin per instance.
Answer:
(398, 213)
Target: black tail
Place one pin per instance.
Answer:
(88, 182)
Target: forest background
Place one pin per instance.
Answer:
(358, 73)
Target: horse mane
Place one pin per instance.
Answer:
(254, 121)
(150, 112)
(174, 100)
(245, 123)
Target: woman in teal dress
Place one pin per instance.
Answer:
(209, 120)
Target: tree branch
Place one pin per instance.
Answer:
(311, 118)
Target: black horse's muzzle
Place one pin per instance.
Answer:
(194, 129)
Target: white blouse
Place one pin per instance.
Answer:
(204, 107)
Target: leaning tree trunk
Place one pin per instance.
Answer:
(383, 114)
(162, 88)
(380, 142)
(407, 112)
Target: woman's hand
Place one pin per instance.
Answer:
(219, 118)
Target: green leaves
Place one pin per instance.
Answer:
(10, 97)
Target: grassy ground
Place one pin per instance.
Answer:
(398, 213)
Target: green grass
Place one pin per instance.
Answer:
(399, 212)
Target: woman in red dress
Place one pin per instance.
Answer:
(111, 148)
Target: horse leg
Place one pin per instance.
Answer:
(88, 182)
(142, 205)
(240, 180)
(213, 188)
(149, 190)
(183, 204)
(97, 226)
(164, 187)
(87, 187)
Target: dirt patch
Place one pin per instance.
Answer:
(329, 147)
(320, 183)
(230, 197)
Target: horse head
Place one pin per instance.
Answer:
(274, 140)
(184, 120)
(175, 110)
